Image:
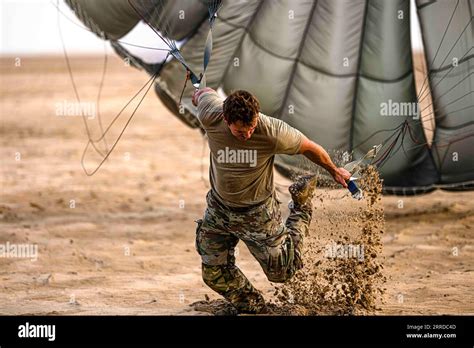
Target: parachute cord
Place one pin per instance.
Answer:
(171, 44)
(76, 92)
(188, 75)
(99, 94)
(119, 41)
(437, 51)
(412, 136)
(151, 82)
(380, 162)
(397, 128)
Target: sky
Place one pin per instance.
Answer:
(30, 27)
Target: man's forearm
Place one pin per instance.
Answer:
(318, 155)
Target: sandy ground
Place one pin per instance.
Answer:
(122, 241)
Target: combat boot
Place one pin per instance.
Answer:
(302, 190)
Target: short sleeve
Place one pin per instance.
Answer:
(288, 139)
(209, 105)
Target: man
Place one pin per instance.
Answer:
(242, 203)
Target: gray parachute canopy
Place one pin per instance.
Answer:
(341, 71)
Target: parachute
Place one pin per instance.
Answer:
(341, 71)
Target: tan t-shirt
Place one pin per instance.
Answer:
(241, 172)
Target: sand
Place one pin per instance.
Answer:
(344, 275)
(122, 241)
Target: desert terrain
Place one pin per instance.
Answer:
(121, 242)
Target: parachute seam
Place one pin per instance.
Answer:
(297, 59)
(427, 4)
(193, 32)
(459, 126)
(357, 81)
(312, 67)
(240, 43)
(469, 57)
(429, 186)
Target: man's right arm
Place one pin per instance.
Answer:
(197, 93)
(208, 103)
(318, 155)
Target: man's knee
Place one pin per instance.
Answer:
(282, 276)
(278, 270)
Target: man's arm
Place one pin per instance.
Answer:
(197, 93)
(318, 155)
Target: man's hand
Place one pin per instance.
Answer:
(340, 176)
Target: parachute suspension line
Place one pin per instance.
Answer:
(173, 49)
(402, 134)
(400, 131)
(405, 128)
(444, 76)
(92, 141)
(434, 144)
(213, 8)
(119, 41)
(377, 132)
(455, 100)
(387, 154)
(197, 81)
(424, 91)
(452, 112)
(395, 132)
(126, 104)
(412, 136)
(71, 77)
(184, 87)
(447, 55)
(442, 117)
(437, 144)
(99, 94)
(151, 83)
(440, 44)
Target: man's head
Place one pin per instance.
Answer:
(241, 110)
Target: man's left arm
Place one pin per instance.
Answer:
(318, 155)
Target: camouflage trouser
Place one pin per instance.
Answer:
(276, 246)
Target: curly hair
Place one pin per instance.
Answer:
(241, 106)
